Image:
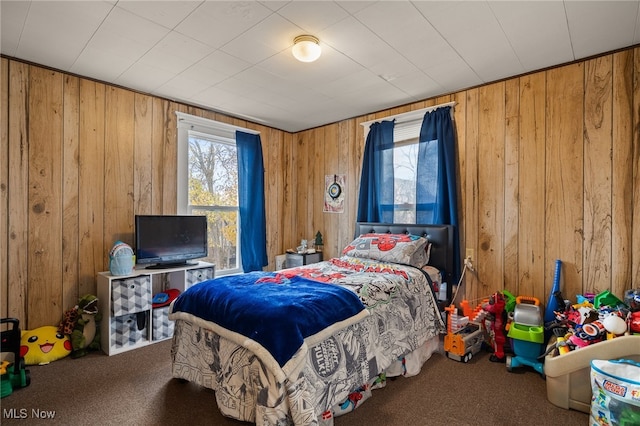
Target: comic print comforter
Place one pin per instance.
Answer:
(333, 370)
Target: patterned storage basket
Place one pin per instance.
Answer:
(162, 325)
(194, 276)
(131, 295)
(129, 330)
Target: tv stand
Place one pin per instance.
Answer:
(129, 320)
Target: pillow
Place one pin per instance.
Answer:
(436, 280)
(433, 272)
(43, 345)
(397, 248)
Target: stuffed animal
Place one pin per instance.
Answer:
(43, 345)
(80, 323)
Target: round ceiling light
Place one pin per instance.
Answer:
(306, 48)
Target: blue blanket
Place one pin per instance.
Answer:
(275, 311)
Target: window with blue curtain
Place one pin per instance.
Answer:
(409, 175)
(221, 176)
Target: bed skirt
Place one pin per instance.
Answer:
(339, 374)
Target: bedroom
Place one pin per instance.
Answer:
(562, 143)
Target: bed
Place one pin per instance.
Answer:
(372, 316)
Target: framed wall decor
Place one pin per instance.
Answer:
(334, 193)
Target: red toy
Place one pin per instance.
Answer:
(496, 324)
(634, 322)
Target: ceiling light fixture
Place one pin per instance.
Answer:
(306, 48)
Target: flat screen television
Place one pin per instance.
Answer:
(163, 241)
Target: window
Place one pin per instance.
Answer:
(405, 172)
(404, 180)
(208, 185)
(213, 192)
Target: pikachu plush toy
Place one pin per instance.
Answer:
(43, 345)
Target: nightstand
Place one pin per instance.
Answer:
(297, 259)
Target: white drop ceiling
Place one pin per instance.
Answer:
(235, 56)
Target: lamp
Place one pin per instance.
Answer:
(306, 48)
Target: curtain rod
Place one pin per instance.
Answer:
(408, 116)
(207, 122)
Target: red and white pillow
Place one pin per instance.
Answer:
(406, 249)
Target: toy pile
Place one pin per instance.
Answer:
(594, 318)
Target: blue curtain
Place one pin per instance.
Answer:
(253, 228)
(437, 136)
(375, 203)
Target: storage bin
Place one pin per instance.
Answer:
(129, 330)
(568, 375)
(194, 276)
(131, 295)
(162, 325)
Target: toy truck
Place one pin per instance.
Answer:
(464, 338)
(463, 344)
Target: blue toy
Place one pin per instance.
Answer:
(527, 336)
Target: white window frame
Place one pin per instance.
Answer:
(214, 130)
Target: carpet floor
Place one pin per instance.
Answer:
(136, 388)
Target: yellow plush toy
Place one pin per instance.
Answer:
(43, 345)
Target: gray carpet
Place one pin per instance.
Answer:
(136, 388)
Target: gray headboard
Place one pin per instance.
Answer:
(440, 236)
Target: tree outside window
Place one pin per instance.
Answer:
(406, 185)
(213, 192)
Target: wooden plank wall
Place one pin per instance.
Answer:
(549, 168)
(79, 159)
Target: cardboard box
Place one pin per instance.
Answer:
(569, 375)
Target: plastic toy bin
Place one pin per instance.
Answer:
(568, 376)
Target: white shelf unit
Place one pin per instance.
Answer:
(129, 320)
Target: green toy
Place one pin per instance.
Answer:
(510, 301)
(318, 242)
(13, 375)
(81, 324)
